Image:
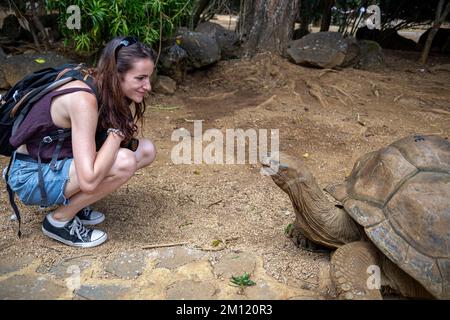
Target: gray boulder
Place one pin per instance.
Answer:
(13, 31)
(165, 85)
(202, 50)
(371, 55)
(2, 54)
(353, 53)
(441, 40)
(3, 83)
(388, 39)
(173, 62)
(15, 68)
(322, 49)
(226, 39)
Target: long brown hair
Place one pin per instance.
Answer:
(114, 106)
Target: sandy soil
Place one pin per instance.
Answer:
(332, 116)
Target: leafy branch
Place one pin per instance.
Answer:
(102, 20)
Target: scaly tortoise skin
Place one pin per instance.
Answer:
(399, 197)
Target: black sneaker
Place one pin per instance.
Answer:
(74, 233)
(90, 217)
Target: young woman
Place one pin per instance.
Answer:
(81, 175)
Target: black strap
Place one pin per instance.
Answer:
(44, 199)
(61, 135)
(11, 197)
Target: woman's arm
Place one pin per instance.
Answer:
(91, 167)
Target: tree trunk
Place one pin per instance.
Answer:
(200, 6)
(305, 20)
(440, 18)
(267, 25)
(305, 14)
(326, 15)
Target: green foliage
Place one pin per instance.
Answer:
(102, 20)
(242, 281)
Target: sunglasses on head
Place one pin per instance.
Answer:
(128, 41)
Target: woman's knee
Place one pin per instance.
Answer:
(126, 164)
(147, 150)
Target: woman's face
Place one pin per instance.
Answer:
(136, 81)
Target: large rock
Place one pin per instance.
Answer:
(353, 53)
(388, 39)
(165, 85)
(363, 54)
(371, 55)
(202, 50)
(441, 41)
(173, 62)
(3, 83)
(322, 49)
(2, 54)
(13, 31)
(226, 39)
(15, 68)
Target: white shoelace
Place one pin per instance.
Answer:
(79, 229)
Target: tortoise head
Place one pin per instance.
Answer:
(286, 171)
(318, 219)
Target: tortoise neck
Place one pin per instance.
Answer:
(318, 217)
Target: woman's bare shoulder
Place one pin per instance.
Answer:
(78, 97)
(78, 104)
(74, 84)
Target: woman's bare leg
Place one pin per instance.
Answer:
(124, 167)
(145, 153)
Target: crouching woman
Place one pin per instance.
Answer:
(81, 175)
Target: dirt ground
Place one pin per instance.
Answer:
(328, 117)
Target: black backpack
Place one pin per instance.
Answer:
(19, 100)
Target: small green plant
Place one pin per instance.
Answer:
(216, 242)
(288, 229)
(242, 281)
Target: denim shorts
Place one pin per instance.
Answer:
(24, 180)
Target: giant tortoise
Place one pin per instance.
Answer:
(392, 212)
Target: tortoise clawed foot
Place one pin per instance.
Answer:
(301, 241)
(296, 237)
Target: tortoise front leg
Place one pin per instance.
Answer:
(349, 271)
(297, 237)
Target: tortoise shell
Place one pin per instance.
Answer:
(400, 194)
